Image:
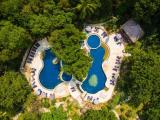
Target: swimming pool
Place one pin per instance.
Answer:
(96, 78)
(49, 76)
(66, 77)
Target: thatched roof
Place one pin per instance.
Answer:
(133, 30)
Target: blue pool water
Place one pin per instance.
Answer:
(49, 76)
(66, 77)
(96, 69)
(93, 41)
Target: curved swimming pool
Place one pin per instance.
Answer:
(96, 78)
(49, 76)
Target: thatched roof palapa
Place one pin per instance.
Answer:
(132, 30)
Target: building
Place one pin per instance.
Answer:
(131, 31)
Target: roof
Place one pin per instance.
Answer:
(133, 30)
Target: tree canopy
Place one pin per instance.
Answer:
(13, 40)
(140, 79)
(13, 91)
(66, 45)
(104, 114)
(55, 114)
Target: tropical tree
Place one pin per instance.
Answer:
(13, 91)
(140, 79)
(10, 9)
(31, 108)
(151, 13)
(66, 45)
(64, 3)
(13, 40)
(87, 7)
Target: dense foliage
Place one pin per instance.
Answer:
(13, 40)
(55, 114)
(141, 79)
(140, 73)
(13, 91)
(66, 45)
(104, 114)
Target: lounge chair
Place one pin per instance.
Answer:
(119, 43)
(40, 92)
(96, 101)
(33, 49)
(104, 34)
(30, 58)
(89, 98)
(117, 67)
(31, 55)
(34, 69)
(118, 62)
(114, 69)
(28, 61)
(32, 52)
(73, 89)
(112, 82)
(118, 57)
(96, 29)
(34, 85)
(37, 45)
(115, 39)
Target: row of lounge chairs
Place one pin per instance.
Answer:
(88, 29)
(118, 39)
(92, 99)
(32, 52)
(73, 89)
(39, 92)
(118, 62)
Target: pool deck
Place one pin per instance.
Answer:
(110, 66)
(36, 66)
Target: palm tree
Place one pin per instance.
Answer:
(87, 7)
(64, 3)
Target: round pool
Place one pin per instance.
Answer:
(66, 77)
(93, 42)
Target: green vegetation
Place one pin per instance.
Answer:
(55, 114)
(126, 112)
(104, 114)
(66, 45)
(87, 7)
(61, 21)
(14, 89)
(93, 81)
(140, 79)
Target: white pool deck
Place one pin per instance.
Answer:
(110, 67)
